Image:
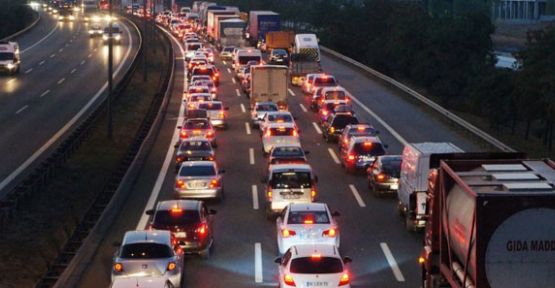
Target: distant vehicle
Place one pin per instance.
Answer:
(95, 29)
(269, 84)
(287, 154)
(300, 65)
(383, 175)
(276, 117)
(279, 57)
(226, 53)
(307, 45)
(207, 70)
(245, 55)
(308, 81)
(199, 180)
(324, 80)
(360, 153)
(333, 127)
(193, 149)
(216, 113)
(278, 134)
(116, 34)
(261, 108)
(282, 40)
(356, 130)
(230, 32)
(260, 23)
(66, 15)
(190, 48)
(10, 60)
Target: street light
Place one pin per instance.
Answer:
(110, 71)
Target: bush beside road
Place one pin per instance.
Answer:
(15, 15)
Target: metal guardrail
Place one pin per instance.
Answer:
(444, 112)
(24, 29)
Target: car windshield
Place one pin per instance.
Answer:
(6, 56)
(291, 179)
(325, 81)
(288, 152)
(340, 121)
(195, 146)
(197, 170)
(176, 217)
(245, 59)
(316, 265)
(369, 148)
(392, 166)
(210, 106)
(282, 131)
(280, 118)
(266, 107)
(279, 52)
(335, 95)
(196, 124)
(308, 217)
(145, 251)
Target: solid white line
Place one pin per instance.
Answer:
(357, 195)
(6, 181)
(334, 156)
(228, 70)
(52, 55)
(44, 93)
(318, 130)
(254, 197)
(21, 109)
(82, 62)
(233, 80)
(303, 108)
(29, 71)
(381, 121)
(41, 62)
(251, 156)
(73, 71)
(243, 109)
(248, 128)
(237, 92)
(40, 41)
(392, 263)
(61, 81)
(257, 263)
(291, 92)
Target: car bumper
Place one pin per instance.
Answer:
(278, 206)
(217, 122)
(175, 278)
(198, 193)
(387, 187)
(193, 246)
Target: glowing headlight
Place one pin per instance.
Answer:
(54, 11)
(117, 36)
(76, 9)
(71, 17)
(95, 18)
(60, 17)
(10, 66)
(105, 37)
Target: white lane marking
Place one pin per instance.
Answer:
(257, 263)
(237, 92)
(82, 62)
(243, 109)
(334, 156)
(225, 63)
(381, 121)
(6, 181)
(251, 156)
(41, 62)
(248, 128)
(52, 55)
(70, 40)
(228, 70)
(73, 71)
(44, 93)
(291, 92)
(392, 263)
(233, 80)
(303, 108)
(21, 109)
(255, 197)
(29, 71)
(357, 196)
(318, 130)
(61, 81)
(89, 56)
(61, 50)
(40, 41)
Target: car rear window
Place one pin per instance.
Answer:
(392, 166)
(282, 131)
(292, 179)
(325, 81)
(308, 217)
(145, 251)
(316, 265)
(198, 170)
(196, 124)
(369, 148)
(211, 106)
(228, 49)
(335, 95)
(203, 71)
(245, 59)
(195, 146)
(198, 98)
(363, 131)
(340, 121)
(179, 217)
(287, 151)
(280, 118)
(266, 107)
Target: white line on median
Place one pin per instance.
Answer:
(228, 70)
(237, 92)
(21, 109)
(251, 156)
(254, 197)
(318, 130)
(61, 81)
(52, 55)
(248, 128)
(258, 263)
(334, 156)
(392, 263)
(303, 108)
(72, 71)
(291, 92)
(357, 195)
(44, 93)
(29, 71)
(233, 80)
(41, 62)
(243, 109)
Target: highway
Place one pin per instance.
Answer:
(372, 233)
(63, 75)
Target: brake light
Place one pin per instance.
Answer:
(176, 210)
(183, 134)
(285, 233)
(118, 267)
(346, 141)
(268, 133)
(288, 279)
(269, 195)
(367, 144)
(316, 257)
(216, 74)
(330, 232)
(332, 129)
(172, 266)
(421, 260)
(345, 279)
(222, 114)
(214, 183)
(361, 128)
(313, 194)
(178, 159)
(210, 134)
(380, 177)
(179, 184)
(308, 221)
(325, 112)
(202, 229)
(295, 133)
(351, 157)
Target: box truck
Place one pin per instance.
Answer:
(269, 84)
(260, 23)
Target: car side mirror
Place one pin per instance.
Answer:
(347, 260)
(335, 214)
(221, 171)
(212, 212)
(149, 212)
(226, 108)
(277, 260)
(116, 244)
(263, 179)
(306, 152)
(179, 127)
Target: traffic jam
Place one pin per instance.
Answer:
(307, 233)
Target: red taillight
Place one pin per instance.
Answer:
(268, 133)
(380, 177)
(183, 134)
(324, 112)
(214, 183)
(214, 78)
(330, 232)
(222, 114)
(345, 279)
(285, 233)
(214, 90)
(351, 158)
(210, 134)
(288, 279)
(269, 195)
(202, 230)
(118, 267)
(172, 266)
(313, 194)
(179, 184)
(295, 133)
(178, 159)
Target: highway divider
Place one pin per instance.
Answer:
(422, 99)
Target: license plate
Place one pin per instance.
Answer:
(198, 185)
(317, 284)
(288, 197)
(394, 186)
(195, 159)
(181, 234)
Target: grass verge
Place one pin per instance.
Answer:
(39, 231)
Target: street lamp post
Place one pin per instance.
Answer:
(110, 71)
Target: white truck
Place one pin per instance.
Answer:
(307, 45)
(269, 84)
(10, 60)
(417, 160)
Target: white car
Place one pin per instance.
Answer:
(276, 117)
(310, 223)
(318, 265)
(279, 134)
(306, 87)
(261, 108)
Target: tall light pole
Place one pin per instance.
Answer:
(110, 71)
(144, 40)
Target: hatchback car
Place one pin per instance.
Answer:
(335, 94)
(194, 149)
(279, 134)
(208, 70)
(318, 265)
(334, 125)
(147, 253)
(198, 128)
(199, 180)
(285, 154)
(216, 113)
(360, 153)
(213, 90)
(279, 57)
(227, 53)
(196, 62)
(323, 80)
(306, 224)
(189, 222)
(383, 175)
(356, 130)
(276, 117)
(194, 88)
(261, 108)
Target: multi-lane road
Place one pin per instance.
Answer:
(63, 76)
(384, 254)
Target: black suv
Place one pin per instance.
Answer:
(334, 125)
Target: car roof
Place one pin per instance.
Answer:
(307, 207)
(184, 204)
(306, 250)
(287, 167)
(147, 236)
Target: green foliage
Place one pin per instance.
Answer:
(14, 16)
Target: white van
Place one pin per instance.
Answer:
(417, 160)
(307, 44)
(244, 55)
(9, 57)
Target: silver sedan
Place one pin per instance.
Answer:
(199, 180)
